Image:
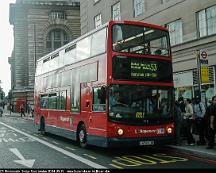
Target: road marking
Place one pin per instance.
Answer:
(119, 167)
(61, 150)
(173, 158)
(55, 142)
(69, 148)
(28, 163)
(92, 157)
(23, 139)
(158, 159)
(12, 140)
(126, 162)
(134, 161)
(3, 139)
(44, 138)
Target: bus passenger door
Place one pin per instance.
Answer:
(86, 102)
(93, 109)
(98, 119)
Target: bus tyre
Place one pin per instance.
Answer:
(42, 126)
(82, 137)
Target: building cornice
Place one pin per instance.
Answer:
(74, 3)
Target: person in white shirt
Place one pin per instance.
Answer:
(189, 116)
(199, 112)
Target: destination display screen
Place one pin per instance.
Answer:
(141, 69)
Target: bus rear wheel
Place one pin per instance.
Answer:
(82, 136)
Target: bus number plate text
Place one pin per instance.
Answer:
(146, 143)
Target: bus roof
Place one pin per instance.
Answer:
(109, 23)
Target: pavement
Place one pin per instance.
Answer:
(197, 150)
(14, 114)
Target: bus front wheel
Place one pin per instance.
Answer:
(82, 137)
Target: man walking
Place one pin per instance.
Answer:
(199, 112)
(22, 110)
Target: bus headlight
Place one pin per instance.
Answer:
(120, 131)
(169, 130)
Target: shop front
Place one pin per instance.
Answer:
(186, 85)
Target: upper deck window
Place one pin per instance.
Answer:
(140, 40)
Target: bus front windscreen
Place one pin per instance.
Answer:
(140, 40)
(140, 105)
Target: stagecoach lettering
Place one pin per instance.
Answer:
(71, 121)
(64, 119)
(144, 131)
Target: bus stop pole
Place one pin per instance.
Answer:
(198, 73)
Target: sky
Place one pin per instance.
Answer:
(6, 45)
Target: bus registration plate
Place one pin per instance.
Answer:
(146, 143)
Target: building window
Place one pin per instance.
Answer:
(98, 21)
(116, 12)
(55, 39)
(207, 21)
(175, 31)
(138, 7)
(57, 15)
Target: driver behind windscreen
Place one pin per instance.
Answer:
(115, 99)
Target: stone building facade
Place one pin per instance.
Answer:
(40, 26)
(192, 27)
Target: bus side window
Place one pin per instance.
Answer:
(99, 99)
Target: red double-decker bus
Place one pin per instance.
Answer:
(110, 87)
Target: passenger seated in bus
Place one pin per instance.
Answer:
(163, 107)
(158, 52)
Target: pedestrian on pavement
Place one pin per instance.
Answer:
(32, 111)
(189, 117)
(3, 105)
(212, 124)
(22, 110)
(178, 123)
(1, 112)
(11, 108)
(184, 123)
(207, 120)
(199, 112)
(28, 108)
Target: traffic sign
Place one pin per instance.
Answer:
(204, 54)
(204, 74)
